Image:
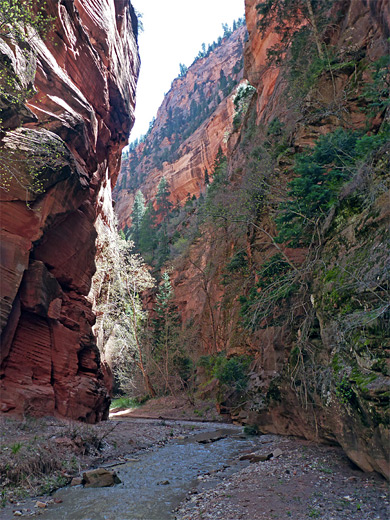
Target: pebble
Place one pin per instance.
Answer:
(314, 492)
(277, 453)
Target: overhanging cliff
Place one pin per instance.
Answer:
(66, 111)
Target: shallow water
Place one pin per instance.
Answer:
(142, 494)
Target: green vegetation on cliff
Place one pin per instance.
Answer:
(321, 172)
(286, 251)
(162, 142)
(20, 23)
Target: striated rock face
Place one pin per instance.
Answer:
(60, 151)
(333, 388)
(199, 105)
(320, 369)
(336, 391)
(259, 74)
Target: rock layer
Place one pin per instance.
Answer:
(333, 385)
(354, 244)
(184, 168)
(67, 149)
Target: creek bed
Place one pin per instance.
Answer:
(154, 482)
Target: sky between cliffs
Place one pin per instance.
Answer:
(174, 31)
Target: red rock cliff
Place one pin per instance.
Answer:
(63, 149)
(275, 392)
(189, 128)
(327, 386)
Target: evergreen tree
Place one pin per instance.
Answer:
(166, 329)
(202, 53)
(226, 30)
(193, 110)
(162, 199)
(164, 207)
(183, 70)
(147, 234)
(188, 202)
(206, 177)
(136, 218)
(222, 81)
(219, 159)
(163, 244)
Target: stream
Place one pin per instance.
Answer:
(155, 482)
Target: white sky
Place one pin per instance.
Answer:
(174, 31)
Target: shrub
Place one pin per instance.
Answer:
(238, 262)
(184, 367)
(28, 462)
(320, 174)
(377, 91)
(275, 285)
(345, 391)
(231, 372)
(16, 15)
(207, 362)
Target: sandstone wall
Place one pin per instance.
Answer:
(296, 387)
(302, 396)
(63, 149)
(185, 173)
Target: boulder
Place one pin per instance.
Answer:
(256, 457)
(100, 477)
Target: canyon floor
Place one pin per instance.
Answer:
(283, 477)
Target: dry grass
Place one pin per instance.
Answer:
(25, 463)
(40, 455)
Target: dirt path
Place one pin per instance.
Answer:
(175, 408)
